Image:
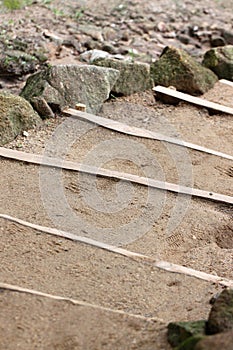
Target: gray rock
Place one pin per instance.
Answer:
(16, 116)
(221, 314)
(134, 76)
(220, 341)
(220, 61)
(66, 85)
(177, 68)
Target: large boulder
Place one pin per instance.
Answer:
(16, 115)
(134, 76)
(61, 86)
(177, 68)
(220, 61)
(221, 341)
(221, 314)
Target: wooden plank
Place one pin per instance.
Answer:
(163, 265)
(19, 289)
(73, 237)
(227, 82)
(134, 131)
(194, 100)
(149, 182)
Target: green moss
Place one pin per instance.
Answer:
(220, 61)
(16, 115)
(190, 343)
(180, 331)
(176, 68)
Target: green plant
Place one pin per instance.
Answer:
(15, 4)
(79, 14)
(57, 12)
(46, 2)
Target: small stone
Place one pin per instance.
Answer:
(81, 107)
(42, 107)
(109, 48)
(93, 31)
(184, 39)
(25, 133)
(125, 36)
(92, 55)
(216, 41)
(162, 27)
(193, 30)
(109, 34)
(92, 44)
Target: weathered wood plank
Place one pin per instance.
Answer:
(139, 132)
(149, 182)
(163, 265)
(227, 82)
(194, 100)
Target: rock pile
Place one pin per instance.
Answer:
(60, 86)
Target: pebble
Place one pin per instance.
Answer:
(184, 39)
(216, 41)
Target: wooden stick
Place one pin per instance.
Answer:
(227, 82)
(14, 288)
(134, 131)
(68, 165)
(73, 237)
(163, 265)
(192, 99)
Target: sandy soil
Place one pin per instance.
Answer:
(189, 231)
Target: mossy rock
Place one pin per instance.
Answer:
(220, 61)
(134, 76)
(16, 115)
(177, 68)
(221, 314)
(178, 332)
(190, 343)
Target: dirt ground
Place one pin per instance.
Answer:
(192, 232)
